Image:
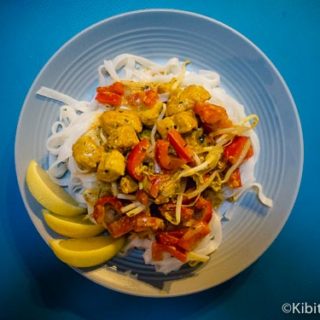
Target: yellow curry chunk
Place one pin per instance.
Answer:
(166, 87)
(111, 120)
(123, 138)
(111, 166)
(164, 125)
(148, 116)
(183, 122)
(87, 152)
(182, 100)
(128, 185)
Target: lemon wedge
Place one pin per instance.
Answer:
(86, 252)
(49, 194)
(72, 227)
(193, 256)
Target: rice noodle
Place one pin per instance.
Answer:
(258, 188)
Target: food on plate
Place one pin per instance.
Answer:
(153, 157)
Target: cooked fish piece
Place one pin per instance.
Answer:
(182, 100)
(123, 138)
(87, 152)
(111, 120)
(111, 166)
(183, 122)
(148, 116)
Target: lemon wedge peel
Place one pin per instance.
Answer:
(72, 227)
(48, 194)
(86, 252)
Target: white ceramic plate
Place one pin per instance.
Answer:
(246, 73)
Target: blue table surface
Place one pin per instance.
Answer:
(35, 285)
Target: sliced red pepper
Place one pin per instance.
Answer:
(178, 233)
(153, 183)
(109, 98)
(143, 223)
(194, 234)
(150, 97)
(111, 95)
(179, 145)
(134, 99)
(186, 213)
(163, 158)
(167, 239)
(113, 201)
(121, 227)
(232, 152)
(142, 197)
(135, 159)
(213, 117)
(204, 207)
(139, 223)
(98, 214)
(99, 211)
(235, 179)
(116, 87)
(158, 249)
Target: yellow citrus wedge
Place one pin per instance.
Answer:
(72, 227)
(86, 252)
(49, 194)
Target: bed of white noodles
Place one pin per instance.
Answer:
(75, 118)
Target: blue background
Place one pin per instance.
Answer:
(34, 284)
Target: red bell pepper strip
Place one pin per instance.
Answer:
(163, 158)
(232, 152)
(99, 207)
(113, 201)
(143, 223)
(205, 208)
(150, 97)
(121, 226)
(111, 95)
(153, 183)
(135, 159)
(178, 233)
(116, 87)
(167, 239)
(158, 249)
(194, 234)
(213, 117)
(170, 238)
(235, 179)
(142, 197)
(109, 98)
(179, 145)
